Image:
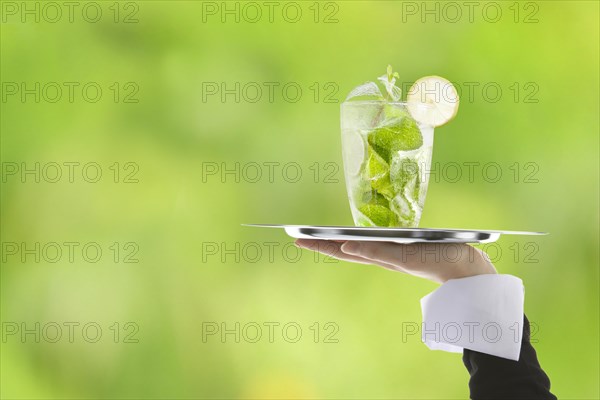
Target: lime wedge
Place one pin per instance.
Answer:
(432, 101)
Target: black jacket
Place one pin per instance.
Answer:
(499, 378)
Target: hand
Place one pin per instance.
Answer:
(437, 262)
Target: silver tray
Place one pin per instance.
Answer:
(397, 235)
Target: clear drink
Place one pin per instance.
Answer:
(387, 156)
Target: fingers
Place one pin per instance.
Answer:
(405, 257)
(334, 249)
(389, 253)
(434, 261)
(329, 248)
(437, 262)
(409, 255)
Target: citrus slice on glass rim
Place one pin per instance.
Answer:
(432, 100)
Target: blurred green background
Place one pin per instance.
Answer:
(159, 65)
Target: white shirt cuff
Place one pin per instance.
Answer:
(482, 313)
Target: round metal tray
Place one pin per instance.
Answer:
(398, 235)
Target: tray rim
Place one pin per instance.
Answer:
(361, 228)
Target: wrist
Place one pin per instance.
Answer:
(478, 264)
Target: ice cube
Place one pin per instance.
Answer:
(366, 91)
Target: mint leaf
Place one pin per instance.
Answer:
(388, 140)
(379, 215)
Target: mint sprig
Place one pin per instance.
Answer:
(392, 92)
(391, 75)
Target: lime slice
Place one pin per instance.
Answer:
(432, 101)
(353, 152)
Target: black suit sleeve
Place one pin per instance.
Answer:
(499, 378)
